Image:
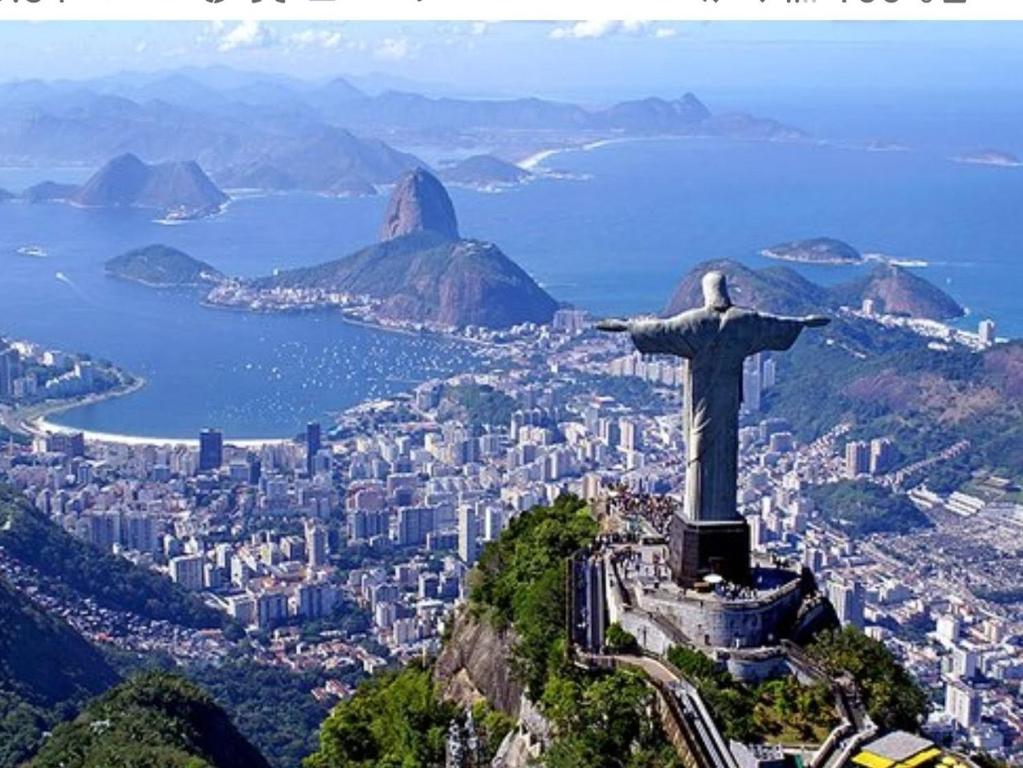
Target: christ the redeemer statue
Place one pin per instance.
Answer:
(713, 340)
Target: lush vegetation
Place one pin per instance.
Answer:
(480, 405)
(272, 707)
(600, 719)
(888, 382)
(81, 570)
(604, 720)
(162, 266)
(155, 719)
(780, 711)
(860, 508)
(47, 670)
(395, 720)
(520, 580)
(892, 697)
(619, 641)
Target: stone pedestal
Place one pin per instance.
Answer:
(697, 549)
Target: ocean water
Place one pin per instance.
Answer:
(615, 241)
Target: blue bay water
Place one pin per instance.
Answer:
(614, 243)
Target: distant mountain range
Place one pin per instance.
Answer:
(896, 290)
(424, 271)
(331, 161)
(266, 132)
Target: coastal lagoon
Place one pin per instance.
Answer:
(614, 240)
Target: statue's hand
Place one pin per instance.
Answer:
(816, 321)
(613, 326)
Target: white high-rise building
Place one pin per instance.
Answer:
(468, 535)
(493, 522)
(315, 544)
(948, 628)
(962, 703)
(849, 600)
(187, 571)
(751, 383)
(857, 458)
(964, 663)
(986, 331)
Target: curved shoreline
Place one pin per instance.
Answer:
(37, 423)
(43, 425)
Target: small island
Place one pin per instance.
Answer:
(160, 266)
(821, 250)
(49, 192)
(991, 157)
(485, 172)
(5, 195)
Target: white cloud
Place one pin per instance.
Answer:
(598, 28)
(328, 39)
(394, 49)
(247, 34)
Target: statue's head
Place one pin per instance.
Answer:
(715, 291)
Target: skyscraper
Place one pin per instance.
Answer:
(962, 703)
(315, 544)
(8, 370)
(986, 331)
(468, 533)
(882, 455)
(313, 443)
(849, 599)
(751, 384)
(857, 458)
(211, 450)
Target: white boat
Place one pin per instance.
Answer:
(35, 251)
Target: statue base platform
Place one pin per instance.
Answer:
(698, 549)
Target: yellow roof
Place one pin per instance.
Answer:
(870, 760)
(921, 759)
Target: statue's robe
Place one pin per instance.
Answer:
(714, 344)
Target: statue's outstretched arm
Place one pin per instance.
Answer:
(613, 325)
(815, 321)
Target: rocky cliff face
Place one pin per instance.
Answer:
(474, 665)
(419, 204)
(422, 272)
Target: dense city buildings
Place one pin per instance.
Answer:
(367, 528)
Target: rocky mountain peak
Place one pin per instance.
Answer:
(419, 204)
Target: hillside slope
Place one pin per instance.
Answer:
(152, 720)
(79, 570)
(423, 272)
(46, 671)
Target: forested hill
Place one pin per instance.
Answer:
(46, 671)
(79, 570)
(155, 719)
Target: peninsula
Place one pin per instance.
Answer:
(422, 272)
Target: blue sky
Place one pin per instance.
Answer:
(584, 60)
